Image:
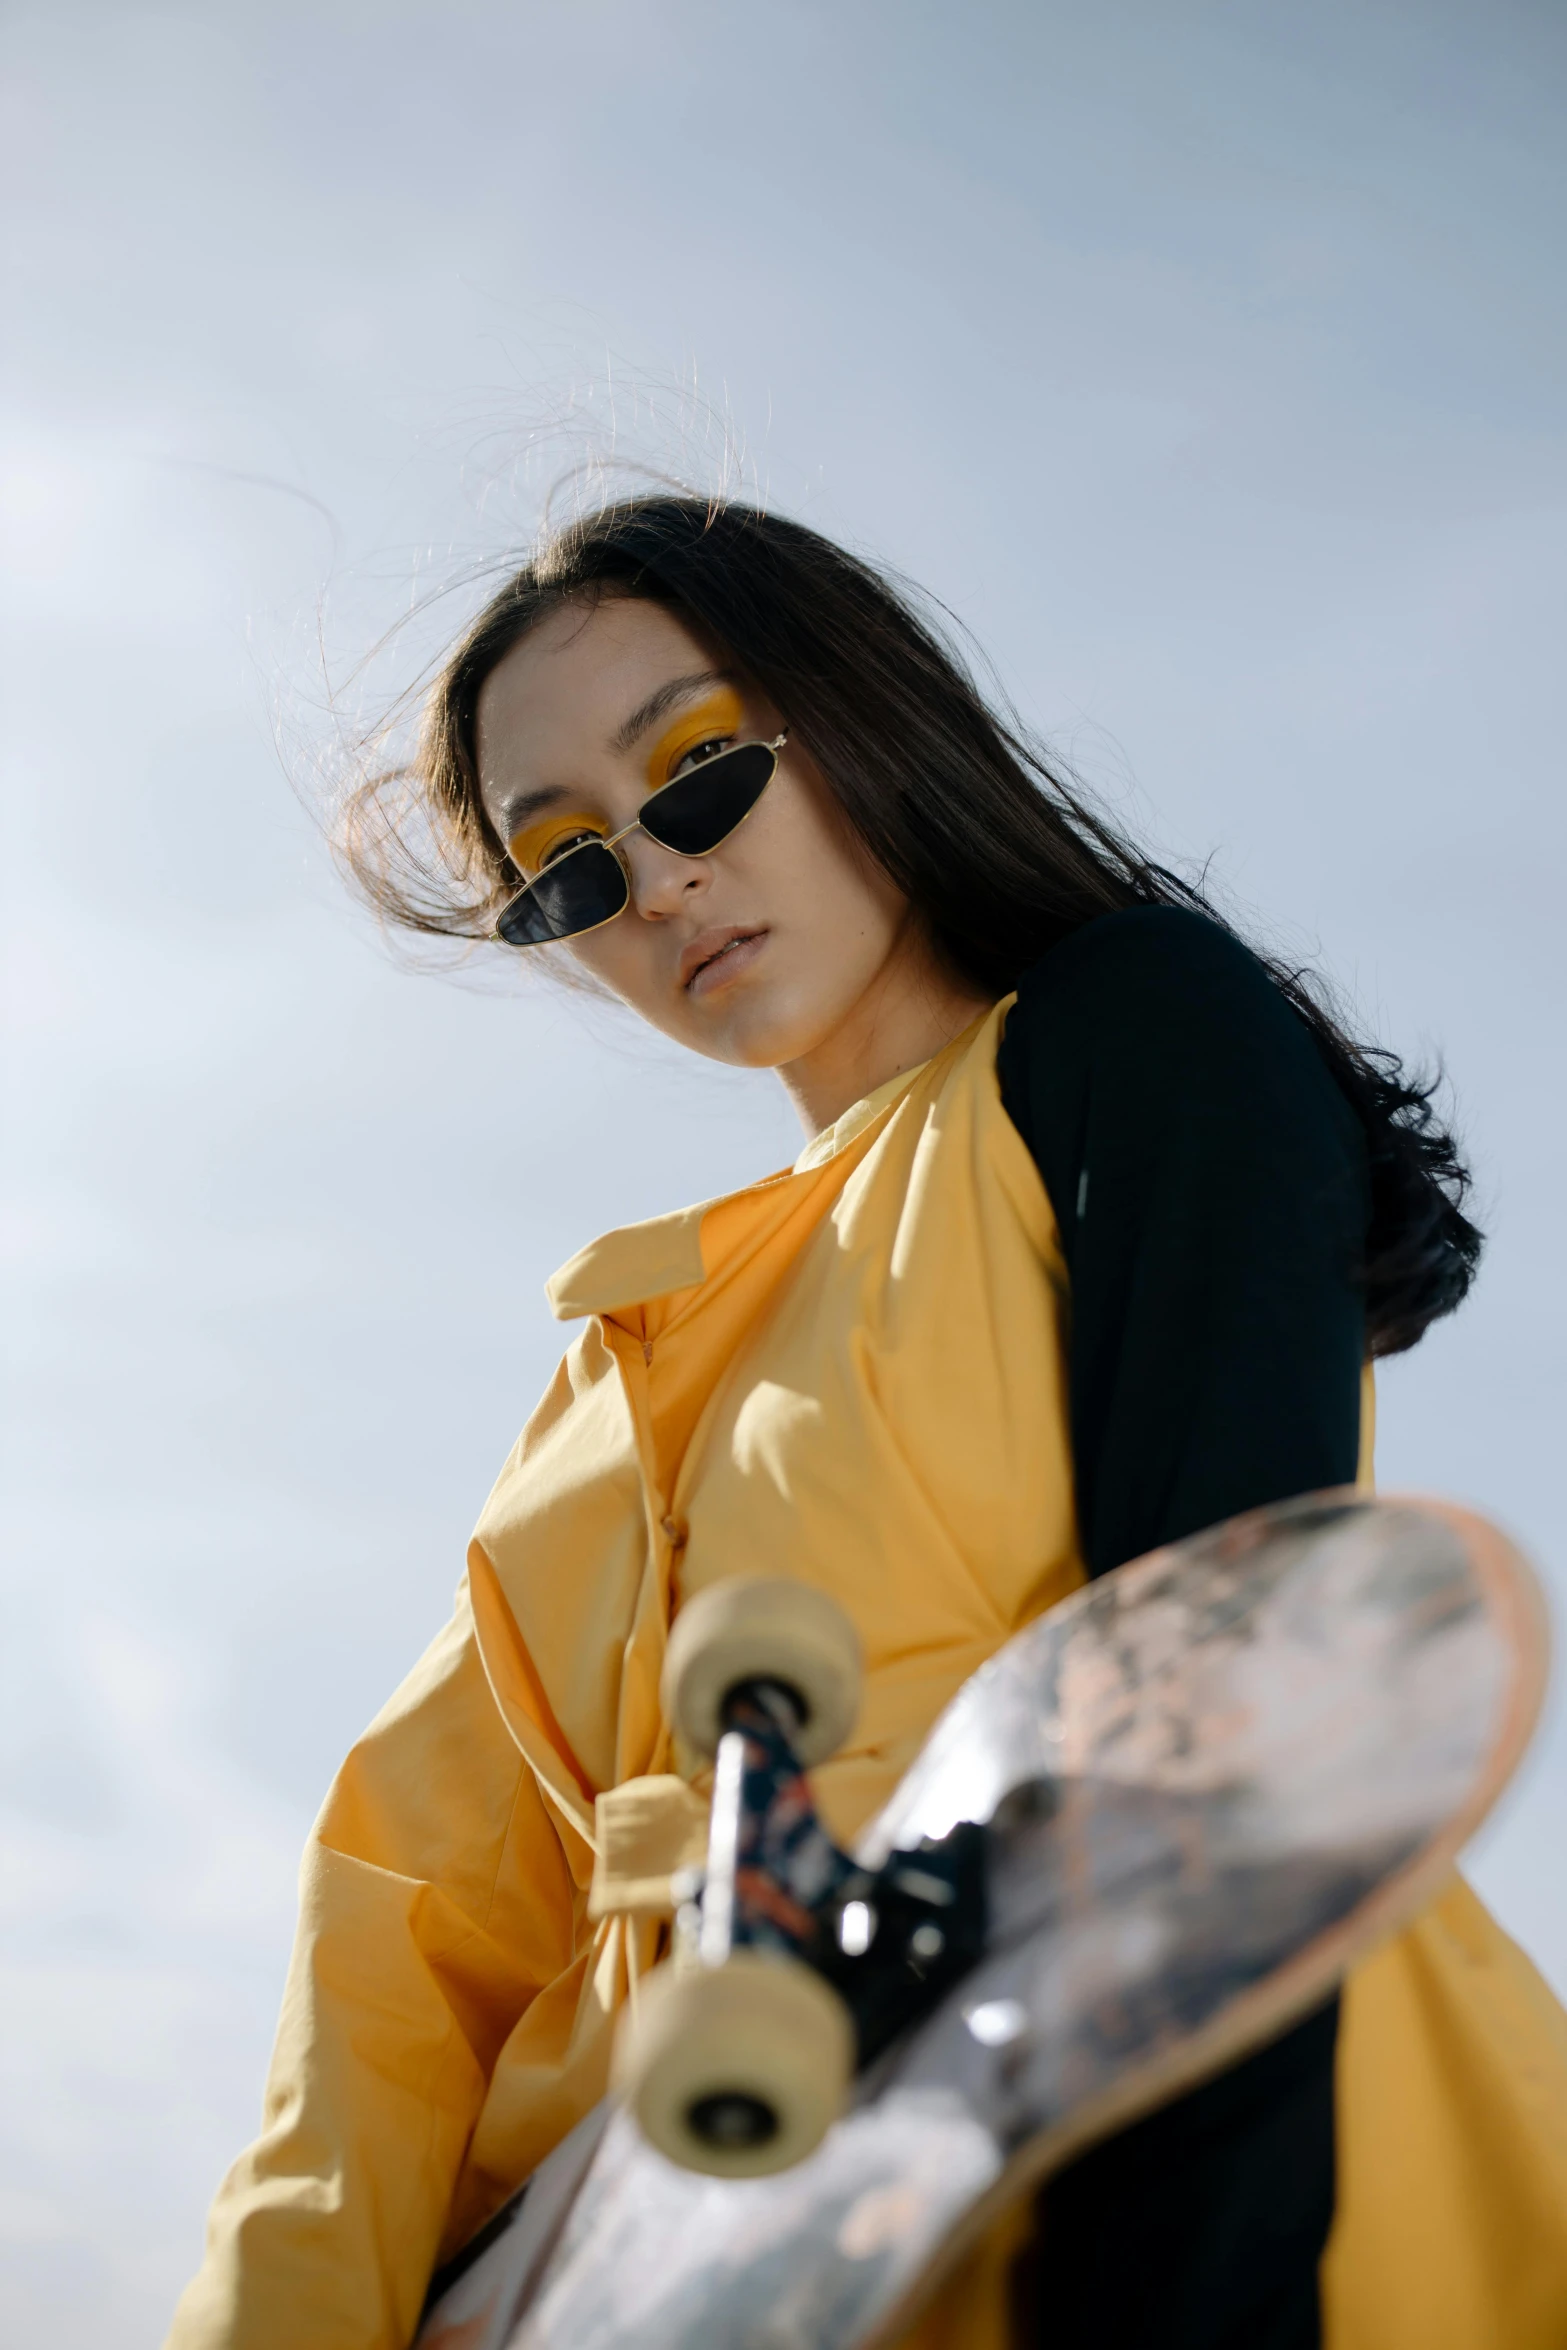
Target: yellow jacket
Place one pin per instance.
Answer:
(852, 1373)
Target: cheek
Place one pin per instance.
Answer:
(627, 958)
(837, 889)
(614, 955)
(798, 842)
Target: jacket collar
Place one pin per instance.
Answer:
(643, 1261)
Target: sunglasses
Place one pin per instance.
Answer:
(589, 884)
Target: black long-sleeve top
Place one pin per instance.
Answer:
(1209, 1181)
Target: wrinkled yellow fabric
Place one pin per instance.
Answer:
(852, 1373)
(1451, 2229)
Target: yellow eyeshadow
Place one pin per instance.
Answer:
(530, 847)
(721, 713)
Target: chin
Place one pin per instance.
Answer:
(756, 1036)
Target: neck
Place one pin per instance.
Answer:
(908, 1013)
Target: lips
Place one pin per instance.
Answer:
(712, 948)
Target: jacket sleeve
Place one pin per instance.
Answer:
(435, 1901)
(1210, 1187)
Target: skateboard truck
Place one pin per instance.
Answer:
(791, 1966)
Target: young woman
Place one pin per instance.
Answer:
(1100, 1223)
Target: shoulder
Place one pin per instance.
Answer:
(1160, 1009)
(1150, 963)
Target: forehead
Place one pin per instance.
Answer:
(556, 701)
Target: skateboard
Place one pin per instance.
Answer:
(1156, 1828)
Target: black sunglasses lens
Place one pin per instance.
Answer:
(695, 812)
(586, 888)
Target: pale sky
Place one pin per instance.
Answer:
(1207, 361)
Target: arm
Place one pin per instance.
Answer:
(434, 1902)
(1209, 1183)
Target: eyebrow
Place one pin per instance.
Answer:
(662, 700)
(526, 805)
(516, 811)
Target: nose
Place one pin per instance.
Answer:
(661, 882)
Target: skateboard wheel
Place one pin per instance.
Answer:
(736, 2070)
(756, 1629)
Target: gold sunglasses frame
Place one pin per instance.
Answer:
(612, 843)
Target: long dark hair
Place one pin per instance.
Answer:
(999, 856)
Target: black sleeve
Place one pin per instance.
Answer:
(1210, 1185)
(1209, 1182)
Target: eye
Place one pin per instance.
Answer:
(699, 754)
(563, 841)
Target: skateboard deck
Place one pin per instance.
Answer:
(1212, 1780)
